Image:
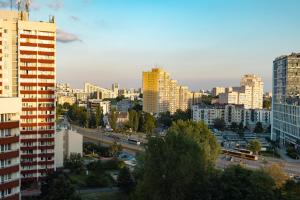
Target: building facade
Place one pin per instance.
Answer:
(249, 94)
(67, 142)
(162, 94)
(99, 92)
(28, 60)
(286, 100)
(217, 90)
(231, 114)
(10, 110)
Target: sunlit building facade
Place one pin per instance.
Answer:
(162, 94)
(28, 52)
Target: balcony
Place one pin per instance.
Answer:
(9, 125)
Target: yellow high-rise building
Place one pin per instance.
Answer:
(162, 94)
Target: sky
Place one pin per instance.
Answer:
(201, 43)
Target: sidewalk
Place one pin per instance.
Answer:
(282, 153)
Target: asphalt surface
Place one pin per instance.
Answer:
(291, 167)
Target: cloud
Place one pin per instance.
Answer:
(74, 18)
(65, 37)
(35, 6)
(56, 4)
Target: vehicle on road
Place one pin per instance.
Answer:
(239, 154)
(244, 151)
(133, 141)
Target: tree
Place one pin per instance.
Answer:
(219, 124)
(133, 120)
(92, 120)
(113, 119)
(125, 181)
(75, 163)
(150, 124)
(115, 149)
(136, 121)
(234, 126)
(241, 129)
(206, 99)
(258, 128)
(182, 115)
(82, 117)
(277, 173)
(237, 183)
(99, 117)
(267, 104)
(254, 146)
(165, 119)
(173, 164)
(57, 186)
(291, 190)
(66, 105)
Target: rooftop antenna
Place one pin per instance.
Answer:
(27, 5)
(18, 4)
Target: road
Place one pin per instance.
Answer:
(100, 137)
(290, 167)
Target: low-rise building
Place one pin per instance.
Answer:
(93, 104)
(66, 99)
(231, 114)
(217, 90)
(67, 142)
(124, 105)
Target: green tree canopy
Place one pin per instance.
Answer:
(219, 124)
(173, 164)
(113, 119)
(238, 183)
(258, 128)
(125, 181)
(57, 186)
(255, 146)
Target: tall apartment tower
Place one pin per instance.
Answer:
(286, 100)
(162, 94)
(28, 72)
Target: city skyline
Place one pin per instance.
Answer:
(193, 41)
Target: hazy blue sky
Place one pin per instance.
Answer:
(201, 43)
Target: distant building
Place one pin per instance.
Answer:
(130, 94)
(105, 106)
(102, 93)
(249, 94)
(115, 89)
(162, 94)
(124, 105)
(217, 90)
(286, 100)
(231, 114)
(67, 142)
(66, 99)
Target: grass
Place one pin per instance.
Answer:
(92, 180)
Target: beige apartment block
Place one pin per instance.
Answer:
(249, 94)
